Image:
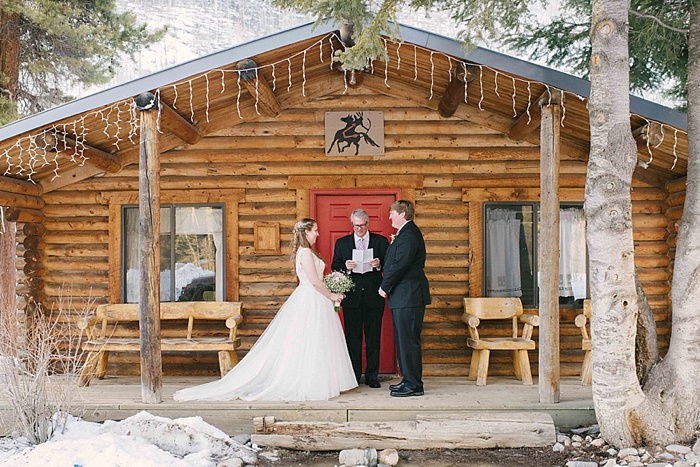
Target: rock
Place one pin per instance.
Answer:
(626, 452)
(666, 456)
(659, 464)
(696, 446)
(589, 438)
(576, 444)
(598, 442)
(581, 464)
(677, 449)
(612, 452)
(233, 462)
(683, 464)
(610, 463)
(558, 447)
(388, 457)
(351, 457)
(692, 457)
(243, 438)
(563, 439)
(635, 464)
(577, 438)
(273, 455)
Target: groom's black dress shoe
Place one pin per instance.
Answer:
(374, 384)
(406, 392)
(395, 387)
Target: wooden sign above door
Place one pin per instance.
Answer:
(355, 133)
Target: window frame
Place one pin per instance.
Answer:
(173, 208)
(535, 205)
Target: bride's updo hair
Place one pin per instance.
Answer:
(299, 239)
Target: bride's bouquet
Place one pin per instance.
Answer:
(338, 282)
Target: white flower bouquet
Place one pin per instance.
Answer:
(338, 282)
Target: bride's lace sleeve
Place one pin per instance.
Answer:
(306, 261)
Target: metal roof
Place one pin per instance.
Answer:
(409, 34)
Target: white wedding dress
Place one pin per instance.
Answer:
(301, 355)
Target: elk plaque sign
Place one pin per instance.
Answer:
(355, 133)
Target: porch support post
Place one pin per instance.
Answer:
(549, 252)
(149, 251)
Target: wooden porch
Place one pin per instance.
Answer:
(119, 397)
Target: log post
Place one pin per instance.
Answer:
(549, 252)
(149, 251)
(8, 283)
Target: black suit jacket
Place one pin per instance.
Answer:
(367, 284)
(404, 277)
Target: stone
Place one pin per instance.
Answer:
(271, 455)
(696, 446)
(659, 464)
(626, 452)
(352, 457)
(232, 462)
(666, 456)
(677, 449)
(610, 463)
(581, 464)
(635, 464)
(563, 439)
(558, 447)
(598, 442)
(388, 457)
(683, 464)
(576, 444)
(578, 438)
(242, 438)
(612, 452)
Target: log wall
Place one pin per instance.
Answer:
(270, 164)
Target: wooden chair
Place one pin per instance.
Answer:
(478, 309)
(582, 322)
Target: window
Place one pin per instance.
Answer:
(191, 253)
(510, 252)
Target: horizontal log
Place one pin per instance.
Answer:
(66, 264)
(651, 248)
(34, 255)
(651, 261)
(84, 251)
(32, 228)
(14, 214)
(649, 221)
(76, 237)
(24, 187)
(676, 185)
(75, 210)
(32, 242)
(95, 223)
(434, 431)
(20, 201)
(676, 199)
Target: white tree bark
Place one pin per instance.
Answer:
(665, 410)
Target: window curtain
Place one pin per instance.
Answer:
(572, 253)
(503, 245)
(194, 220)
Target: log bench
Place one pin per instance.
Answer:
(101, 340)
(494, 308)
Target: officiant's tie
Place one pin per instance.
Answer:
(361, 244)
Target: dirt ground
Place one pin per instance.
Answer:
(536, 457)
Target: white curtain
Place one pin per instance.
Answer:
(572, 253)
(503, 244)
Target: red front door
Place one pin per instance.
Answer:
(331, 209)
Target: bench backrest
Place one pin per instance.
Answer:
(125, 312)
(493, 307)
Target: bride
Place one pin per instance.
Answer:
(302, 354)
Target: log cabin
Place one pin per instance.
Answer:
(244, 145)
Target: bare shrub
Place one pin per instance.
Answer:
(40, 368)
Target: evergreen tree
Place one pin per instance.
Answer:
(47, 46)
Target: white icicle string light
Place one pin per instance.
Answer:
(206, 112)
(398, 57)
(160, 111)
(289, 72)
(257, 92)
(330, 41)
(191, 102)
(675, 143)
(515, 112)
(386, 65)
(274, 78)
(495, 82)
(481, 86)
(238, 96)
(175, 99)
(303, 75)
(345, 81)
(529, 102)
(449, 72)
(223, 82)
(415, 63)
(432, 76)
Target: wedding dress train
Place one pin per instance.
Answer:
(301, 355)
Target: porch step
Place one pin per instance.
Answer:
(427, 431)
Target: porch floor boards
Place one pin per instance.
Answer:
(118, 397)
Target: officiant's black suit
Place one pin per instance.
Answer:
(363, 308)
(408, 293)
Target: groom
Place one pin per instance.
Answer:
(407, 288)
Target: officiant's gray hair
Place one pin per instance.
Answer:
(299, 239)
(359, 214)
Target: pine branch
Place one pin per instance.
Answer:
(661, 23)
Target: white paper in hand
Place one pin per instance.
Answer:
(362, 259)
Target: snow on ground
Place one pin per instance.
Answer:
(143, 439)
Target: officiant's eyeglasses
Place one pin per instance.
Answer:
(359, 226)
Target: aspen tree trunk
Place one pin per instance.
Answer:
(665, 409)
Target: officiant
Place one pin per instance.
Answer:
(363, 307)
